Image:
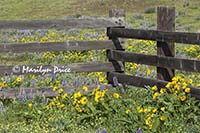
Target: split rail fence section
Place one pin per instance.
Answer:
(165, 60)
(116, 18)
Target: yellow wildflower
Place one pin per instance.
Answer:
(55, 88)
(148, 121)
(189, 81)
(52, 103)
(101, 79)
(64, 96)
(78, 108)
(19, 79)
(155, 95)
(154, 88)
(187, 90)
(148, 71)
(150, 126)
(84, 100)
(99, 73)
(152, 115)
(127, 111)
(30, 105)
(134, 66)
(163, 118)
(184, 85)
(162, 90)
(62, 105)
(177, 87)
(58, 104)
(182, 98)
(85, 88)
(60, 91)
(129, 47)
(97, 96)
(139, 109)
(57, 81)
(168, 85)
(162, 108)
(116, 95)
(77, 94)
(154, 110)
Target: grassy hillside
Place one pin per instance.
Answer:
(188, 14)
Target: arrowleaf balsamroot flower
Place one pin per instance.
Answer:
(116, 95)
(127, 111)
(84, 100)
(163, 118)
(19, 79)
(187, 90)
(30, 105)
(154, 88)
(182, 98)
(85, 88)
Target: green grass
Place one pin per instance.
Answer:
(39, 9)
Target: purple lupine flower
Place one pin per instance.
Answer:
(137, 74)
(33, 83)
(30, 96)
(86, 81)
(143, 75)
(40, 78)
(46, 76)
(115, 81)
(73, 79)
(103, 131)
(96, 82)
(44, 100)
(139, 130)
(83, 81)
(179, 54)
(27, 33)
(64, 83)
(22, 98)
(102, 87)
(77, 82)
(53, 76)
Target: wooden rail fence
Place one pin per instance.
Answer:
(116, 18)
(165, 61)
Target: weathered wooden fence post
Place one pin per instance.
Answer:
(165, 22)
(118, 16)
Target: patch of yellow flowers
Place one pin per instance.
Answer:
(178, 86)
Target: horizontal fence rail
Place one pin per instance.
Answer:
(143, 82)
(65, 68)
(159, 61)
(56, 46)
(47, 92)
(68, 23)
(155, 35)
